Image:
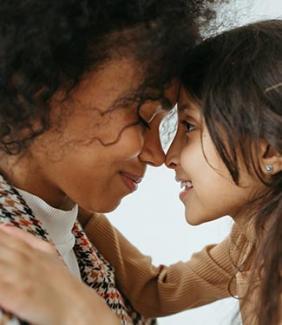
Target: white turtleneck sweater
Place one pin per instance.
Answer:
(59, 224)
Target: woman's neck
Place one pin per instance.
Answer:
(23, 173)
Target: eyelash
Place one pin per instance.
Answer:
(188, 126)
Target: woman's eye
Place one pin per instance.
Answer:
(144, 123)
(189, 127)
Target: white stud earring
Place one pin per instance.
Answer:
(269, 169)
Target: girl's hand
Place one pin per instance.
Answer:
(36, 286)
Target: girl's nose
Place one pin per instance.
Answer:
(172, 156)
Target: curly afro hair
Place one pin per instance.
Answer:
(47, 45)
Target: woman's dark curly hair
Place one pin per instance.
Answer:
(237, 78)
(49, 45)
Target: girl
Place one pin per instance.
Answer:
(230, 111)
(74, 79)
(227, 155)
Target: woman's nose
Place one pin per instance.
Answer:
(152, 153)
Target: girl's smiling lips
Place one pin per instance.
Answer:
(131, 180)
(187, 184)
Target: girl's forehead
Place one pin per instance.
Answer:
(186, 102)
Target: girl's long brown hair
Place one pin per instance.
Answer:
(237, 76)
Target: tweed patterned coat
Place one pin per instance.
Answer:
(95, 271)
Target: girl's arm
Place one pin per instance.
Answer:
(36, 286)
(163, 290)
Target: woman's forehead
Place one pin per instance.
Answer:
(106, 85)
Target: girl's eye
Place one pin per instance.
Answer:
(189, 127)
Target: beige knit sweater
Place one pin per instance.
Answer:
(209, 275)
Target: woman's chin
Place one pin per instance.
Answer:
(106, 207)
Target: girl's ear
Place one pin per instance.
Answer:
(271, 161)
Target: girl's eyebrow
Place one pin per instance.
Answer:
(187, 108)
(182, 107)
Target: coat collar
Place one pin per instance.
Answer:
(96, 272)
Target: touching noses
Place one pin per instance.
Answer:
(152, 153)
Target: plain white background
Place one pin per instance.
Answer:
(153, 217)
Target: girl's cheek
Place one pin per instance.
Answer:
(182, 154)
(185, 159)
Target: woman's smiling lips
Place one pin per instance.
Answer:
(131, 180)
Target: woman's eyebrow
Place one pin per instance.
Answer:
(157, 111)
(166, 104)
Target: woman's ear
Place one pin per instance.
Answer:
(271, 161)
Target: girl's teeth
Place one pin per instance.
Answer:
(187, 184)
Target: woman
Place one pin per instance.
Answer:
(78, 89)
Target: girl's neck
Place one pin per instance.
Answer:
(246, 224)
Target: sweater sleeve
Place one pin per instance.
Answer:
(164, 290)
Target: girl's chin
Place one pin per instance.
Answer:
(198, 219)
(190, 220)
(194, 220)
